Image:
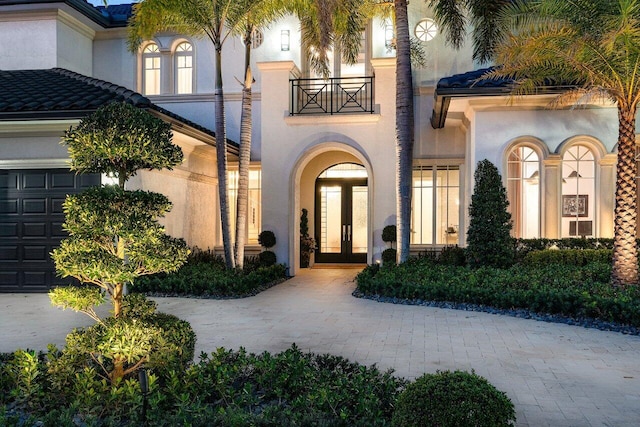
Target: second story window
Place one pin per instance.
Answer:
(184, 68)
(151, 69)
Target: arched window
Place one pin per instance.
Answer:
(151, 69)
(523, 191)
(183, 58)
(578, 192)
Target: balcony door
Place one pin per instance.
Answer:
(342, 216)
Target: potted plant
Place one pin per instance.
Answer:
(307, 243)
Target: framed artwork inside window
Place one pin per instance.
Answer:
(575, 205)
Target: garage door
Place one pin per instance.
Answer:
(31, 220)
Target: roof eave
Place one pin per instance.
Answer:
(443, 96)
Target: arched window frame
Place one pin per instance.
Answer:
(581, 210)
(151, 61)
(524, 183)
(183, 67)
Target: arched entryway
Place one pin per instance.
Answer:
(336, 179)
(341, 214)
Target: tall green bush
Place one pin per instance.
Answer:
(489, 240)
(115, 235)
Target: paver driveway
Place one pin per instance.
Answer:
(556, 375)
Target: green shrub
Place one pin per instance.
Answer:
(570, 290)
(389, 234)
(579, 257)
(452, 255)
(226, 388)
(176, 343)
(198, 255)
(453, 399)
(267, 239)
(389, 257)
(213, 279)
(489, 235)
(267, 258)
(120, 346)
(524, 246)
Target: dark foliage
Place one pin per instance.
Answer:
(389, 234)
(389, 257)
(205, 275)
(267, 239)
(267, 258)
(488, 238)
(576, 291)
(452, 399)
(226, 388)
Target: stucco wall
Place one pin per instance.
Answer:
(75, 47)
(192, 188)
(289, 144)
(33, 44)
(112, 61)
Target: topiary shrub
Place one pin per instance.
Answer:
(267, 239)
(120, 346)
(114, 234)
(389, 234)
(267, 258)
(489, 241)
(389, 257)
(452, 399)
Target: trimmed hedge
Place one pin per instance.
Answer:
(579, 257)
(205, 275)
(453, 399)
(226, 388)
(570, 290)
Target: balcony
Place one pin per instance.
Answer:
(341, 95)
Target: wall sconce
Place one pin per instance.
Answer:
(284, 40)
(389, 36)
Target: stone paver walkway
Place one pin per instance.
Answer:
(556, 375)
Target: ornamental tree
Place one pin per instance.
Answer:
(114, 234)
(489, 237)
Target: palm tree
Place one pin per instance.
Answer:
(265, 12)
(595, 45)
(216, 20)
(483, 16)
(404, 129)
(326, 24)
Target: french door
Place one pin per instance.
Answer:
(341, 220)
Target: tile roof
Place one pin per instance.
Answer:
(58, 93)
(117, 12)
(471, 84)
(472, 80)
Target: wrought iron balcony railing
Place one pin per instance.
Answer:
(341, 95)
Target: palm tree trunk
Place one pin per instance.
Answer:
(221, 155)
(245, 158)
(625, 251)
(404, 129)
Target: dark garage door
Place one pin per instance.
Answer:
(31, 220)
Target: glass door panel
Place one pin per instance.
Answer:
(331, 219)
(359, 241)
(341, 220)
